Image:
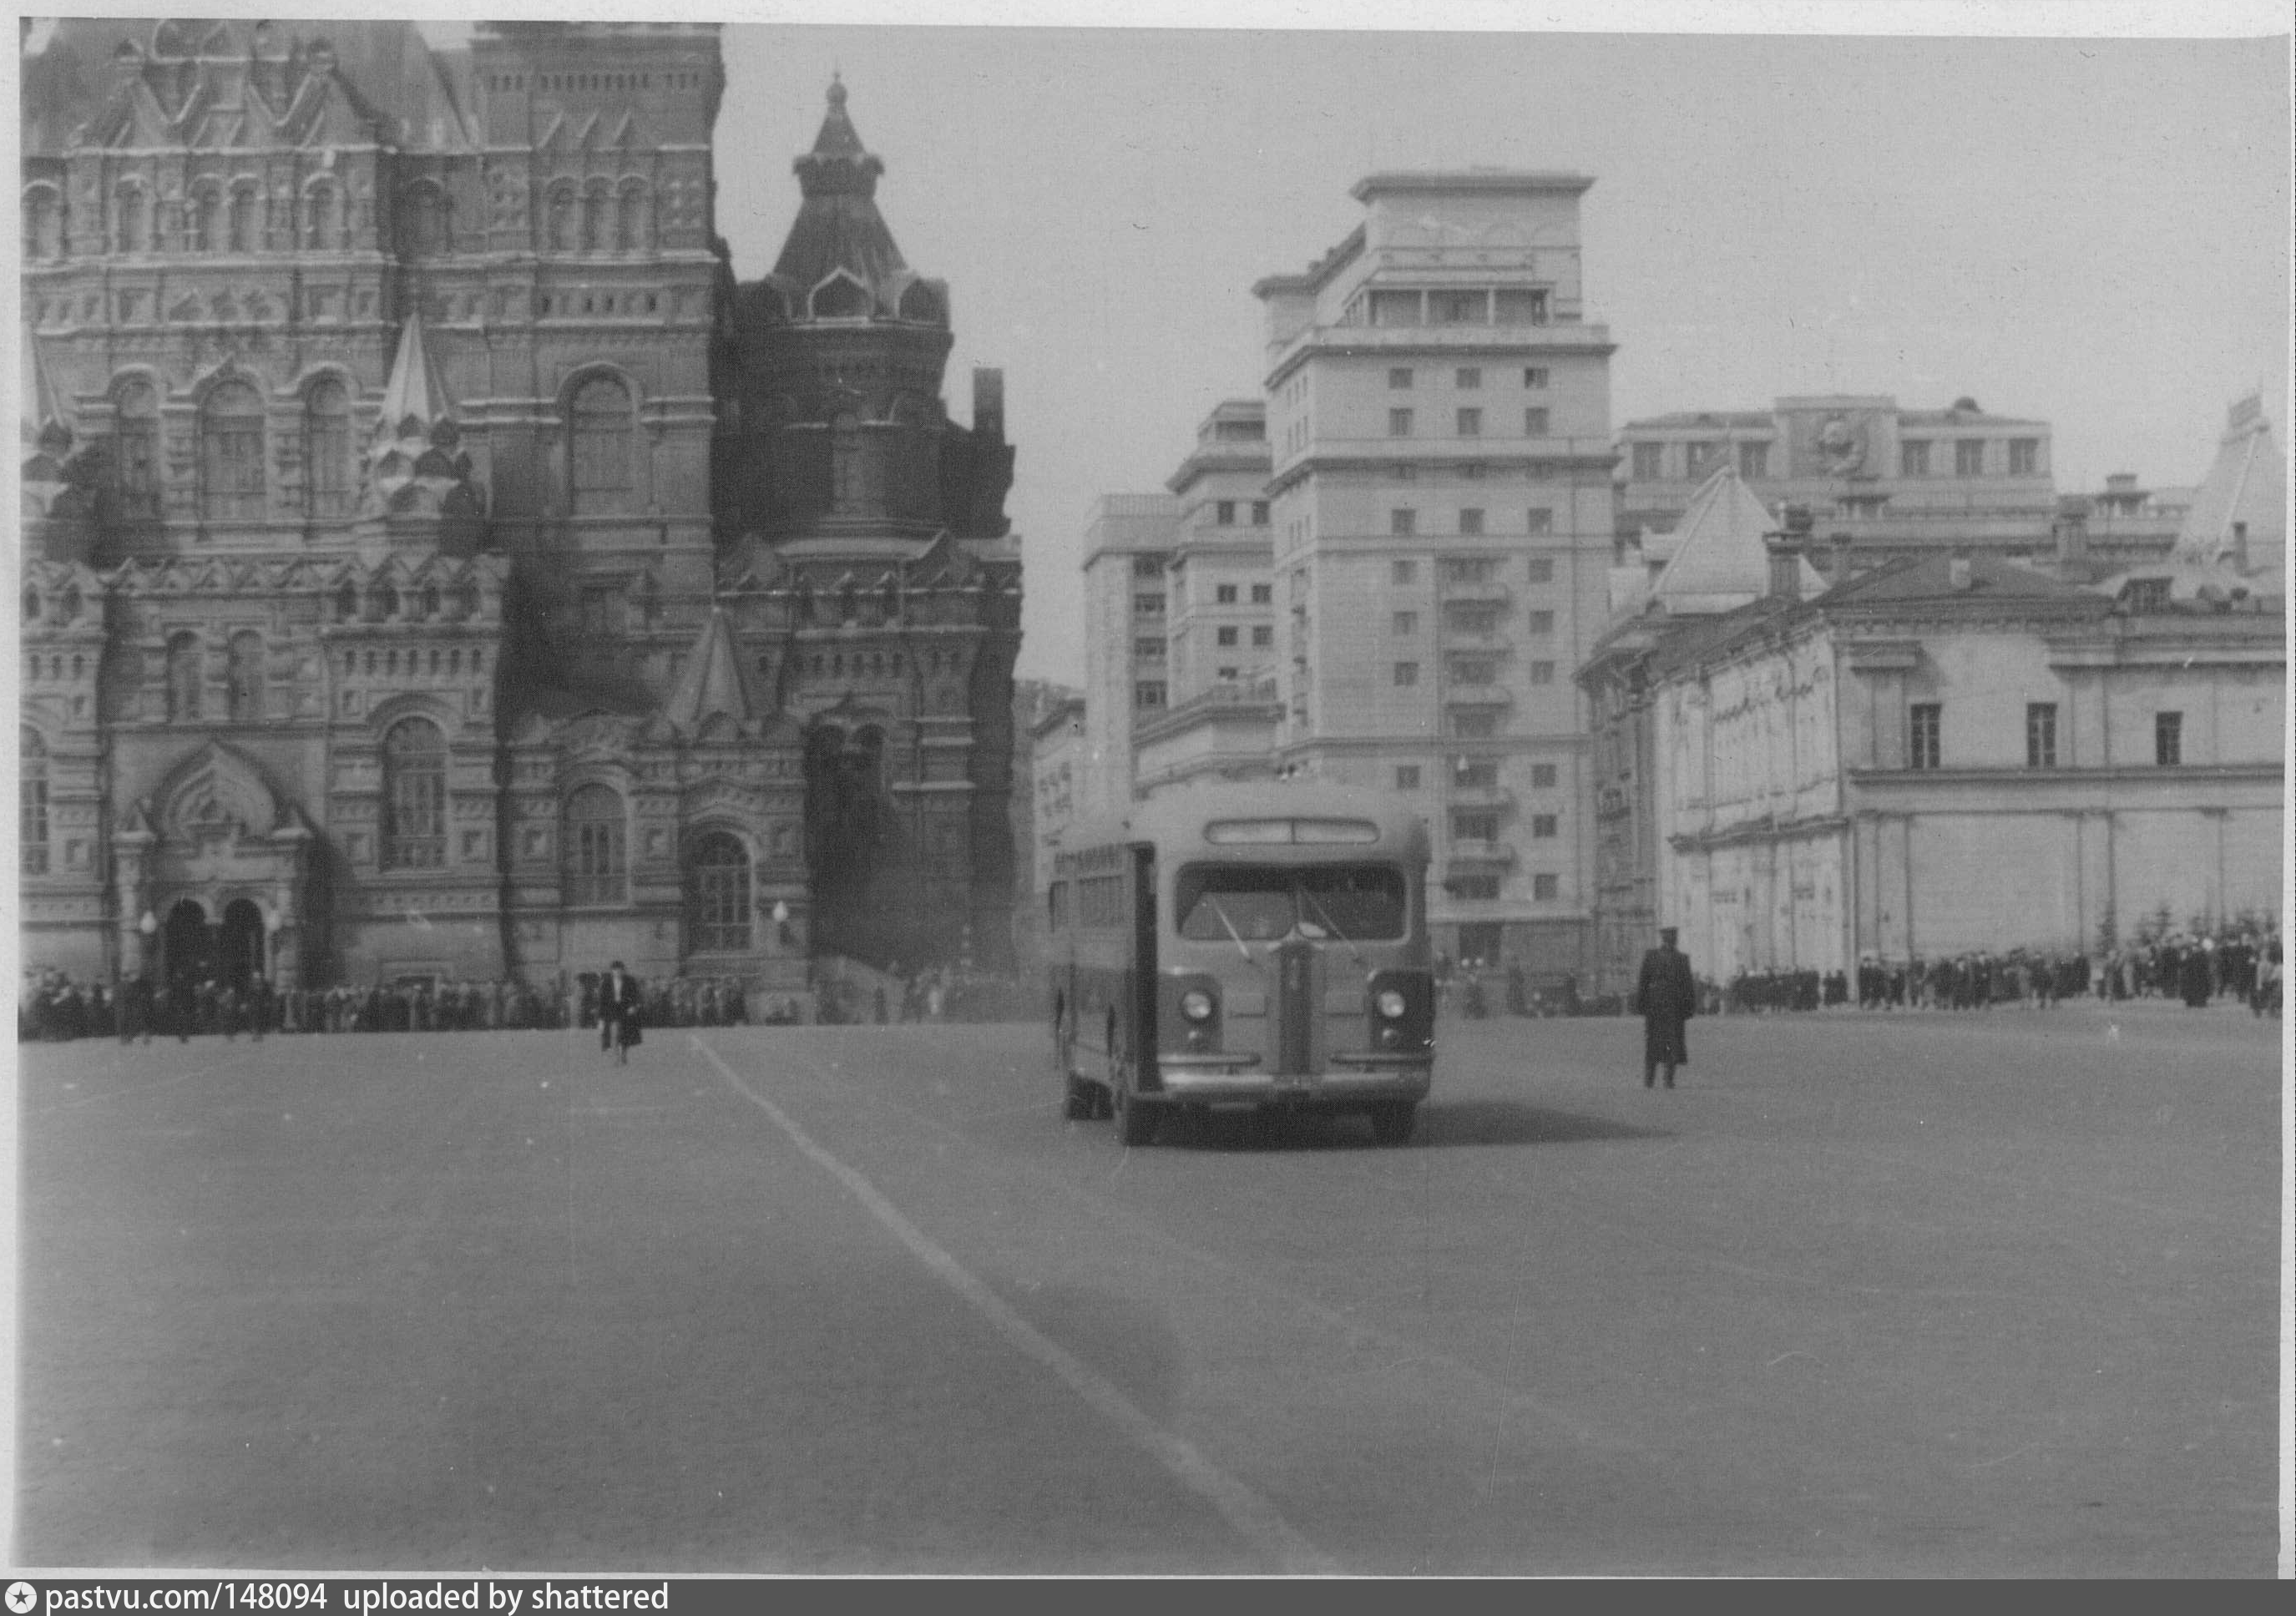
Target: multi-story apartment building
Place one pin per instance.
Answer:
(1129, 544)
(1220, 600)
(378, 618)
(1440, 495)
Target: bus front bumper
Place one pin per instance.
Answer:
(1351, 1079)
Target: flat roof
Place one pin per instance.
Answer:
(1516, 180)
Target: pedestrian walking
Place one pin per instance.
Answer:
(1666, 997)
(621, 1012)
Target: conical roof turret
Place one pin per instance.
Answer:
(838, 225)
(415, 400)
(713, 682)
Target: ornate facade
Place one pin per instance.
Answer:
(378, 621)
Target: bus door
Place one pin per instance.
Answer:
(1143, 964)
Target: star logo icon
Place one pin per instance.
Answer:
(21, 1597)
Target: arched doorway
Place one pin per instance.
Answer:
(240, 949)
(852, 842)
(188, 945)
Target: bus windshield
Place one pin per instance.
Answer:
(1260, 902)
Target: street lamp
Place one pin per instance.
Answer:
(781, 921)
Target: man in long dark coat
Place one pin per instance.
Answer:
(621, 1012)
(1666, 997)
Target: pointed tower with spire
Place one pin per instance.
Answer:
(60, 482)
(417, 495)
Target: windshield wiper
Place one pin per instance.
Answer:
(1231, 932)
(1334, 926)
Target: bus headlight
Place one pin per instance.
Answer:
(1391, 1004)
(1196, 1005)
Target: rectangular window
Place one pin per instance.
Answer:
(1147, 566)
(1458, 308)
(1406, 777)
(1753, 460)
(1475, 773)
(1650, 462)
(2168, 738)
(1535, 423)
(1400, 377)
(1913, 458)
(1263, 637)
(1057, 907)
(1542, 568)
(1471, 523)
(599, 613)
(1148, 693)
(1398, 423)
(1471, 423)
(2025, 456)
(1472, 617)
(1395, 309)
(1538, 523)
(1403, 572)
(1542, 673)
(1223, 512)
(1542, 623)
(1263, 594)
(1969, 457)
(1546, 889)
(1534, 376)
(1150, 646)
(1542, 777)
(1406, 673)
(1402, 524)
(1545, 826)
(1474, 726)
(1698, 459)
(1147, 606)
(1471, 377)
(1406, 623)
(1259, 513)
(2041, 735)
(1224, 594)
(1475, 825)
(1230, 675)
(1522, 307)
(1226, 634)
(1928, 718)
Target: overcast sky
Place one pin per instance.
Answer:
(2090, 231)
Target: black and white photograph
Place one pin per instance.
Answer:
(1174, 791)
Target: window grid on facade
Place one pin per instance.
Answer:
(1471, 423)
(414, 796)
(1263, 636)
(1148, 693)
(1753, 460)
(1534, 376)
(1969, 457)
(1471, 523)
(1542, 623)
(1398, 423)
(1927, 723)
(1475, 824)
(717, 894)
(1402, 523)
(32, 806)
(1406, 623)
(1650, 462)
(1545, 825)
(1403, 572)
(1542, 568)
(1914, 459)
(1399, 377)
(2025, 456)
(1546, 889)
(1406, 673)
(1263, 594)
(2041, 735)
(2167, 739)
(1470, 377)
(1224, 594)
(1225, 635)
(1406, 777)
(1536, 423)
(596, 860)
(231, 454)
(1542, 777)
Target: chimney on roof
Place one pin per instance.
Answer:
(2070, 531)
(1786, 548)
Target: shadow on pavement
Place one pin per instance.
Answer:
(1441, 1124)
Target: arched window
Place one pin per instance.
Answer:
(246, 672)
(716, 894)
(596, 872)
(845, 479)
(44, 224)
(561, 219)
(135, 462)
(185, 677)
(321, 222)
(243, 220)
(32, 822)
(629, 234)
(595, 204)
(423, 219)
(231, 454)
(327, 448)
(345, 602)
(133, 219)
(601, 446)
(414, 796)
(203, 220)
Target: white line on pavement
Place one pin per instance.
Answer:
(1253, 1516)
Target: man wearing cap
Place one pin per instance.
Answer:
(1666, 997)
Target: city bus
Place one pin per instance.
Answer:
(1242, 945)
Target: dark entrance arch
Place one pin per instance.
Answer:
(239, 953)
(187, 942)
(860, 904)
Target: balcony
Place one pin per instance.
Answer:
(1493, 591)
(1458, 796)
(1478, 857)
(1483, 697)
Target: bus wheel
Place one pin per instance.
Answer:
(1391, 1121)
(1136, 1123)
